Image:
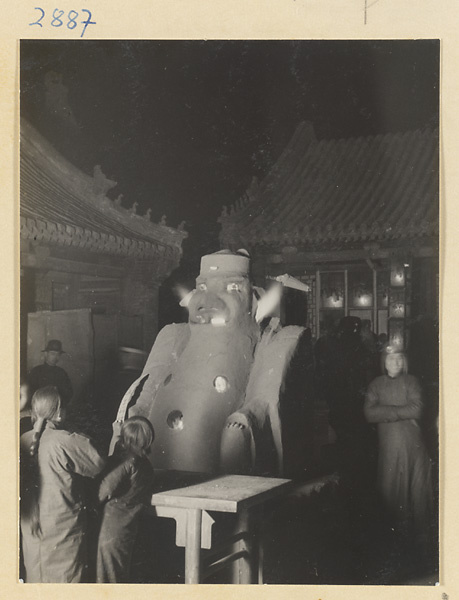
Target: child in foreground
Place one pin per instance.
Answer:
(125, 490)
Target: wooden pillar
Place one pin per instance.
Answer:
(318, 304)
(397, 304)
(375, 301)
(346, 295)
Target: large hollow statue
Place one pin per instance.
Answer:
(213, 387)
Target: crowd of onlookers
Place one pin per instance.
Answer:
(56, 464)
(383, 409)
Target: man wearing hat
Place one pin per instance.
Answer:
(50, 374)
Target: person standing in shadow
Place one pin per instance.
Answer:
(49, 373)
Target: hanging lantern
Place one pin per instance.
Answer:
(332, 290)
(397, 310)
(360, 285)
(397, 274)
(397, 334)
(397, 304)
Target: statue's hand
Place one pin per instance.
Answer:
(235, 424)
(116, 426)
(236, 446)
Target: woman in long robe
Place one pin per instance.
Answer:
(394, 403)
(54, 528)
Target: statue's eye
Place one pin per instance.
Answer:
(232, 287)
(202, 287)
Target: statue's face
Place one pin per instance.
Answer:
(221, 301)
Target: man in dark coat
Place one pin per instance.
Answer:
(50, 374)
(347, 369)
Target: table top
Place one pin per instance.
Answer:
(227, 493)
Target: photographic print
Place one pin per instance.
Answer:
(229, 311)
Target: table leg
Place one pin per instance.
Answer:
(260, 546)
(243, 567)
(193, 545)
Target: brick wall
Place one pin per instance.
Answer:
(140, 298)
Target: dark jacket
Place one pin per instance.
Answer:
(126, 490)
(45, 374)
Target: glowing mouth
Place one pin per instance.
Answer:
(218, 321)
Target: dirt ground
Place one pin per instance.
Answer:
(338, 535)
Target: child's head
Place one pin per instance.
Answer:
(46, 405)
(393, 354)
(137, 435)
(395, 362)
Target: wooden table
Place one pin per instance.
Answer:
(238, 494)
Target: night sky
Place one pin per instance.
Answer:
(182, 126)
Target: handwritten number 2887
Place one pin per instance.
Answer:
(71, 21)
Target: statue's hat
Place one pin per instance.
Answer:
(225, 262)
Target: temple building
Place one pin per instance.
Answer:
(357, 219)
(90, 268)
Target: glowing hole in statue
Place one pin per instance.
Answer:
(175, 420)
(221, 384)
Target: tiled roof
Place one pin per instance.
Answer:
(60, 204)
(380, 188)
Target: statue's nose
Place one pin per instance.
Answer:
(210, 301)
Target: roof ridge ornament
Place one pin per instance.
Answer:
(253, 191)
(308, 131)
(101, 183)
